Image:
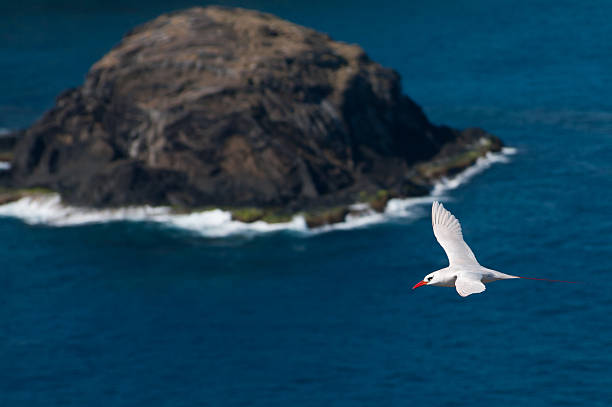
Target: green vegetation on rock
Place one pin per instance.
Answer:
(326, 216)
(453, 163)
(434, 170)
(247, 215)
(272, 217)
(377, 201)
(251, 214)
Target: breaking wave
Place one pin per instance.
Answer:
(49, 210)
(447, 184)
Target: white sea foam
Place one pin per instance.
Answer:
(219, 223)
(49, 210)
(448, 184)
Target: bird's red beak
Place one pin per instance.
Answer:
(420, 283)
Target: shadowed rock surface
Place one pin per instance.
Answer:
(231, 107)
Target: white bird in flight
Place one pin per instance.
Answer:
(464, 272)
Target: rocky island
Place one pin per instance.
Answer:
(232, 108)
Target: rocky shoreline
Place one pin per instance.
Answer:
(237, 109)
(312, 218)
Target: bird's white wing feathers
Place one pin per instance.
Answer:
(469, 283)
(448, 232)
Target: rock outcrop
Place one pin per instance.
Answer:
(236, 108)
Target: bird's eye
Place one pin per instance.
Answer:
(429, 278)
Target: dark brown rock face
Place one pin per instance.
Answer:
(230, 107)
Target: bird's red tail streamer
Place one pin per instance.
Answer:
(552, 281)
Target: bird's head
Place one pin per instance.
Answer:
(430, 279)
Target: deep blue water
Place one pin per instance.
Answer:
(133, 314)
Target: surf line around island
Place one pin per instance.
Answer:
(49, 210)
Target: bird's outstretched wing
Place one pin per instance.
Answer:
(469, 283)
(448, 232)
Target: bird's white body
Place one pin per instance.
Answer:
(447, 276)
(464, 272)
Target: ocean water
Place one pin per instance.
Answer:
(150, 310)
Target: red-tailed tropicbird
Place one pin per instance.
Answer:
(463, 272)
